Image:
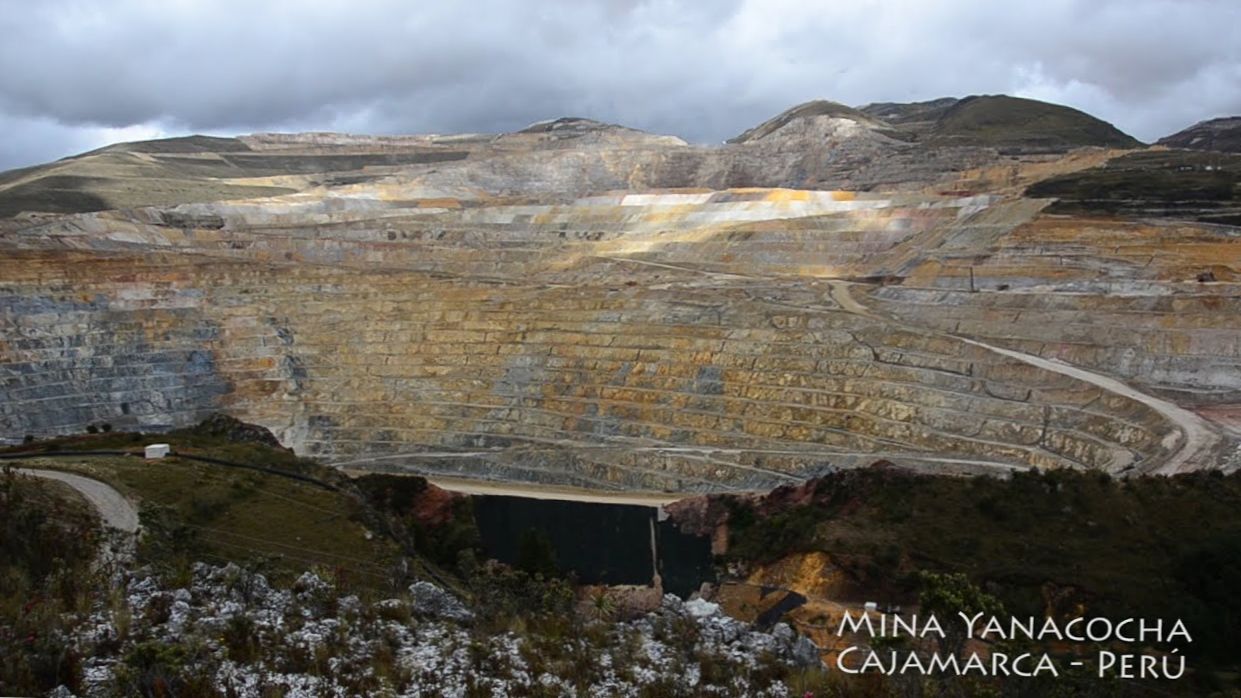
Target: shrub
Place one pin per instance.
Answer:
(160, 670)
(241, 639)
(535, 554)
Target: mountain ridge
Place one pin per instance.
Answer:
(815, 145)
(1222, 134)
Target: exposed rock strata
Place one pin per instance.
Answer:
(536, 310)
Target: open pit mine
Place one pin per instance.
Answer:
(961, 286)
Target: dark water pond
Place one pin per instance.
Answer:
(599, 543)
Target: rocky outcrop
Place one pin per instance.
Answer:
(819, 116)
(233, 429)
(429, 601)
(250, 638)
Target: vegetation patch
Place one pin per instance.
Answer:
(1012, 122)
(1057, 542)
(1182, 184)
(192, 511)
(440, 524)
(37, 589)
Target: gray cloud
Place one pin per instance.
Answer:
(79, 73)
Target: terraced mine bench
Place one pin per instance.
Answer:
(678, 340)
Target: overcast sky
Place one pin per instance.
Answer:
(78, 74)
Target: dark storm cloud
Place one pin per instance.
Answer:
(77, 74)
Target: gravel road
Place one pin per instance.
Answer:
(115, 510)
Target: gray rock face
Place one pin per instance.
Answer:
(432, 602)
(699, 608)
(96, 361)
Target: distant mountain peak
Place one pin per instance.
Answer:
(570, 123)
(573, 130)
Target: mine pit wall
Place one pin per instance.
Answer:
(1119, 297)
(125, 355)
(630, 387)
(1186, 347)
(606, 344)
(750, 231)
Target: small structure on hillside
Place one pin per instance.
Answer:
(156, 451)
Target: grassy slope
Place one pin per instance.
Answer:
(181, 144)
(71, 194)
(999, 121)
(902, 113)
(110, 179)
(195, 510)
(1222, 135)
(63, 510)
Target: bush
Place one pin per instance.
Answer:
(241, 638)
(506, 596)
(160, 670)
(40, 594)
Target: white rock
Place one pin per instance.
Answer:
(699, 608)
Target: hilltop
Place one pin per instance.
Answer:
(1220, 135)
(910, 115)
(1013, 122)
(817, 145)
(822, 112)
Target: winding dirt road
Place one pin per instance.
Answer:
(113, 508)
(1196, 436)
